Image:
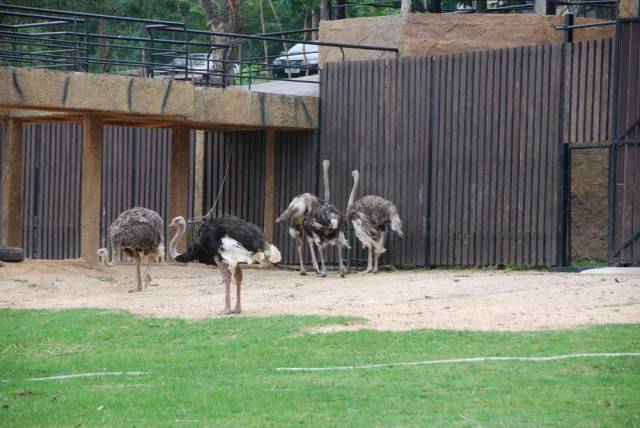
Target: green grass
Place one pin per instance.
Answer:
(221, 373)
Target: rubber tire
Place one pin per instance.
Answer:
(11, 254)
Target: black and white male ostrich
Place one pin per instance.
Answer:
(226, 241)
(369, 217)
(297, 211)
(140, 233)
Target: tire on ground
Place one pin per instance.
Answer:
(11, 254)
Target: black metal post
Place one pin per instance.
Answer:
(564, 165)
(340, 9)
(613, 152)
(481, 6)
(568, 32)
(435, 6)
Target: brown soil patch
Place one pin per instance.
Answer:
(402, 300)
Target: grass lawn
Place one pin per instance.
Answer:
(221, 373)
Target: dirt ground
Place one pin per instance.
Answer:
(400, 300)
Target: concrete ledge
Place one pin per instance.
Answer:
(433, 34)
(121, 99)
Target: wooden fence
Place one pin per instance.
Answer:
(468, 146)
(624, 231)
(471, 147)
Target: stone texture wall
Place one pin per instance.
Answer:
(437, 34)
(628, 8)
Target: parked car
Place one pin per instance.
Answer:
(301, 59)
(200, 68)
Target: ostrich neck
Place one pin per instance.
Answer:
(325, 168)
(352, 196)
(173, 251)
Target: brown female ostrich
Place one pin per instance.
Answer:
(369, 217)
(226, 241)
(299, 208)
(140, 233)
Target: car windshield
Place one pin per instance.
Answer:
(302, 48)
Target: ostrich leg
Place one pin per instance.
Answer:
(226, 274)
(147, 277)
(343, 270)
(138, 276)
(238, 278)
(299, 245)
(323, 271)
(369, 261)
(377, 256)
(313, 254)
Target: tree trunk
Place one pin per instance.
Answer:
(222, 16)
(275, 15)
(262, 25)
(405, 7)
(325, 10)
(314, 23)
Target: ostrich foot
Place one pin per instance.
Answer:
(364, 272)
(227, 311)
(322, 273)
(343, 272)
(236, 310)
(303, 272)
(135, 290)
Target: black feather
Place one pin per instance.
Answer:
(210, 239)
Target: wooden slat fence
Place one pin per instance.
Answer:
(51, 205)
(134, 172)
(625, 228)
(467, 146)
(243, 154)
(297, 171)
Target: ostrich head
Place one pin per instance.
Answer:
(355, 174)
(180, 224)
(103, 256)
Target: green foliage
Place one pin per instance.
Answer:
(221, 373)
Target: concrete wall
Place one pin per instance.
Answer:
(443, 33)
(628, 8)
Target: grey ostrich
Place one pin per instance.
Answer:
(226, 241)
(140, 233)
(298, 209)
(369, 217)
(325, 225)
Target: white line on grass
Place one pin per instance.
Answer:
(72, 376)
(460, 360)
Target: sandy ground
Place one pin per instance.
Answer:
(401, 300)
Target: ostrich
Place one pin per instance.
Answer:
(370, 216)
(298, 209)
(325, 225)
(140, 233)
(226, 241)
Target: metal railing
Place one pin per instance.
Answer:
(32, 37)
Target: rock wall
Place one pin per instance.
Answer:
(431, 34)
(628, 8)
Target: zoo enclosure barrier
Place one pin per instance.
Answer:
(471, 147)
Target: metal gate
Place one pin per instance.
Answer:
(624, 159)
